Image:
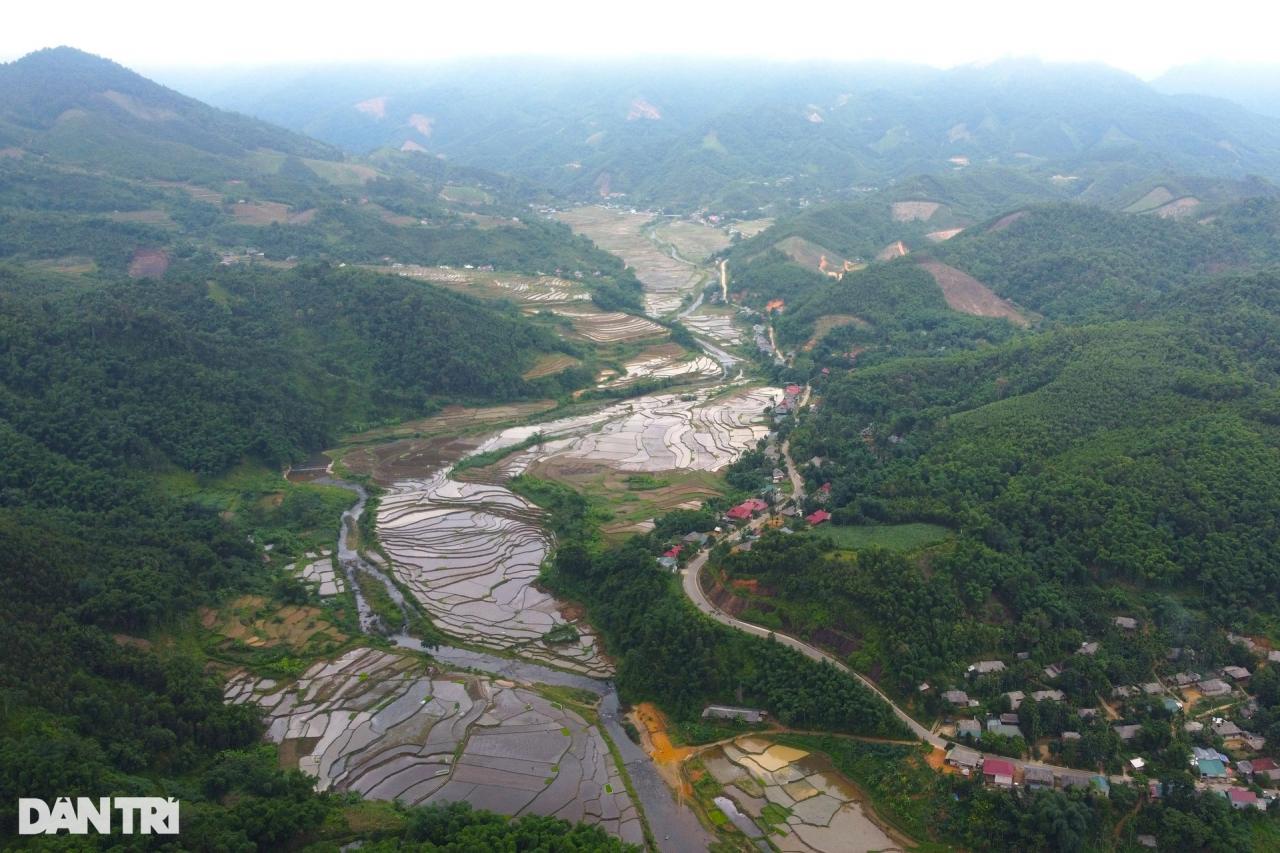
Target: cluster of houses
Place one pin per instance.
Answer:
(1210, 691)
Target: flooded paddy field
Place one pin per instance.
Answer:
(609, 327)
(667, 279)
(795, 798)
(716, 323)
(662, 361)
(391, 727)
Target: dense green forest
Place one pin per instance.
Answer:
(1126, 466)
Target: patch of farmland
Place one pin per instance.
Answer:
(153, 216)
(694, 241)
(703, 430)
(610, 327)
(319, 573)
(800, 795)
(389, 728)
(524, 289)
(1155, 198)
(1179, 208)
(667, 280)
(943, 235)
(716, 324)
(810, 255)
(269, 213)
(149, 263)
(750, 227)
(549, 365)
(966, 294)
(896, 249)
(663, 362)
(471, 554)
(826, 323)
(453, 421)
(913, 211)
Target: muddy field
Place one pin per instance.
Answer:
(391, 728)
(715, 323)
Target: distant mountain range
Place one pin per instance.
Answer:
(1253, 86)
(735, 135)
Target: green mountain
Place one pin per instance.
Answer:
(726, 134)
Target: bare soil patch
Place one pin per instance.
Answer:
(897, 249)
(1153, 199)
(943, 235)
(1007, 220)
(1178, 208)
(966, 294)
(829, 322)
(909, 211)
(149, 263)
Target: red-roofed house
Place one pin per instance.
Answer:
(674, 551)
(998, 772)
(818, 516)
(747, 509)
(1243, 798)
(792, 390)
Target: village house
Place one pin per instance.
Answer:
(695, 538)
(1126, 623)
(1088, 648)
(818, 516)
(1070, 736)
(985, 667)
(1053, 670)
(1243, 798)
(998, 771)
(956, 697)
(1015, 698)
(1213, 687)
(748, 509)
(728, 712)
(1127, 732)
(997, 726)
(1267, 768)
(964, 759)
(968, 728)
(1048, 696)
(1236, 673)
(1037, 778)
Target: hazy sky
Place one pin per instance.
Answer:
(1142, 37)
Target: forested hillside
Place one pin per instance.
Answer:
(1086, 471)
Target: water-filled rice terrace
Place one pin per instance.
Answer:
(389, 727)
(470, 553)
(798, 797)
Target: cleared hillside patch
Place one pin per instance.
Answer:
(914, 211)
(825, 324)
(896, 249)
(966, 294)
(1154, 198)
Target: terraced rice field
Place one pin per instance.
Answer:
(470, 553)
(386, 726)
(667, 361)
(666, 280)
(319, 573)
(703, 430)
(528, 290)
(811, 806)
(716, 324)
(609, 327)
(693, 241)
